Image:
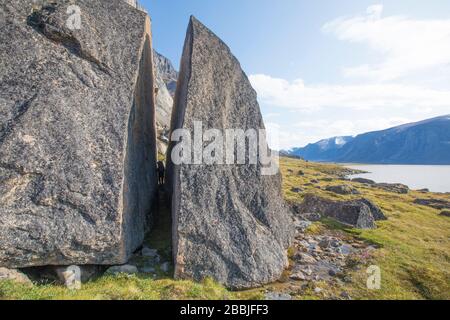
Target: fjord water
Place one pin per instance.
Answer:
(434, 178)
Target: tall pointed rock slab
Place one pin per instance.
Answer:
(77, 132)
(229, 221)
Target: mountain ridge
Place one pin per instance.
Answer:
(423, 142)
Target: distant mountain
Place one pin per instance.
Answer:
(165, 70)
(322, 150)
(424, 142)
(166, 82)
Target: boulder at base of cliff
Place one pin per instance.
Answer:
(229, 221)
(77, 133)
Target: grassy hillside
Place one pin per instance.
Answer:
(413, 252)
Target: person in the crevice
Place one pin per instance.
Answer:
(161, 170)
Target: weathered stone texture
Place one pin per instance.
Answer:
(77, 133)
(229, 221)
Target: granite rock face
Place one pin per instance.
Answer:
(229, 221)
(77, 133)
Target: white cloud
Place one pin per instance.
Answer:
(407, 45)
(296, 95)
(411, 51)
(331, 128)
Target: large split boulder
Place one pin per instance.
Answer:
(77, 132)
(229, 221)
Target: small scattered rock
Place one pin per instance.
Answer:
(313, 217)
(345, 295)
(342, 189)
(277, 296)
(344, 249)
(296, 190)
(445, 213)
(347, 279)
(308, 271)
(317, 290)
(393, 187)
(14, 275)
(364, 181)
(148, 269)
(70, 276)
(439, 204)
(148, 252)
(127, 268)
(314, 181)
(302, 225)
(305, 258)
(301, 173)
(325, 243)
(335, 243)
(165, 267)
(298, 276)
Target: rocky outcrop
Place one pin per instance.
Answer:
(342, 189)
(166, 81)
(393, 187)
(445, 213)
(363, 180)
(229, 221)
(434, 203)
(166, 72)
(77, 133)
(360, 213)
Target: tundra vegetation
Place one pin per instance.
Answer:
(413, 252)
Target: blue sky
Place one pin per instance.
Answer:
(326, 68)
